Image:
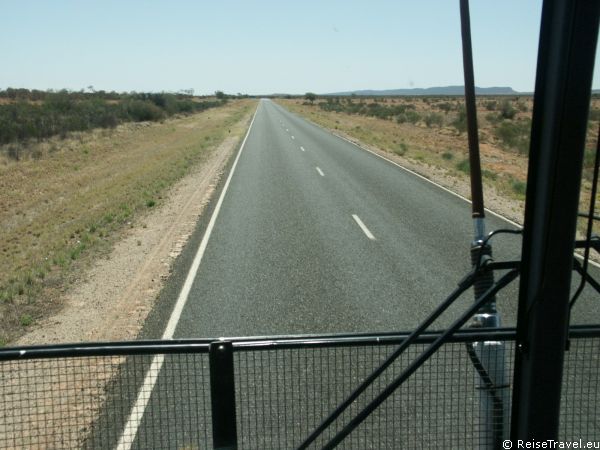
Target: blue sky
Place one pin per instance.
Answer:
(264, 46)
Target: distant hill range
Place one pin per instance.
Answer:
(443, 90)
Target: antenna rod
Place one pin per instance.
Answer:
(478, 212)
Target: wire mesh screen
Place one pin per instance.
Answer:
(163, 400)
(106, 402)
(284, 394)
(579, 417)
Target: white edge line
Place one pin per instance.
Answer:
(320, 171)
(363, 227)
(137, 412)
(500, 216)
(494, 213)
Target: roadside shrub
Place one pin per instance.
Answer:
(522, 106)
(413, 117)
(493, 118)
(445, 106)
(463, 166)
(401, 149)
(507, 111)
(58, 113)
(310, 96)
(589, 158)
(515, 135)
(142, 111)
(26, 320)
(491, 105)
(460, 123)
(489, 174)
(434, 119)
(518, 187)
(447, 156)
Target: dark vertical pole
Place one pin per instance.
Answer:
(562, 93)
(471, 110)
(222, 395)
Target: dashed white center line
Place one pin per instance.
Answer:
(320, 171)
(363, 227)
(287, 130)
(302, 148)
(293, 137)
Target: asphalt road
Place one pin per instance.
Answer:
(315, 235)
(287, 253)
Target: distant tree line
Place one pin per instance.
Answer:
(33, 114)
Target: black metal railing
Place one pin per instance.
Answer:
(267, 392)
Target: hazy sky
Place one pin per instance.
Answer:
(263, 47)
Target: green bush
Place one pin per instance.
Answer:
(445, 106)
(515, 135)
(489, 174)
(310, 96)
(460, 123)
(589, 158)
(58, 113)
(491, 105)
(434, 119)
(26, 320)
(413, 117)
(401, 149)
(493, 118)
(447, 156)
(507, 111)
(519, 187)
(142, 111)
(464, 166)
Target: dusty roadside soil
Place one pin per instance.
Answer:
(52, 403)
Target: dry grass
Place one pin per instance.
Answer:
(62, 208)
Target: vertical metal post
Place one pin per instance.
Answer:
(490, 355)
(565, 65)
(222, 395)
(471, 111)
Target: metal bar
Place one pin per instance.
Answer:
(222, 395)
(462, 287)
(478, 209)
(594, 243)
(587, 216)
(278, 342)
(108, 349)
(467, 335)
(566, 54)
(419, 361)
(503, 265)
(588, 278)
